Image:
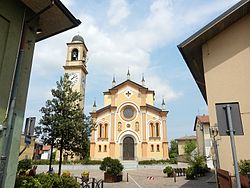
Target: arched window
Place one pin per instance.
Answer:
(100, 148)
(152, 148)
(151, 129)
(105, 148)
(74, 55)
(106, 131)
(157, 130)
(100, 131)
(158, 148)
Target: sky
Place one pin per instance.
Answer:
(142, 35)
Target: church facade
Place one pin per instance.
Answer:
(129, 126)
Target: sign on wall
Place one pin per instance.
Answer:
(222, 118)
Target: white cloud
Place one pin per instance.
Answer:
(118, 11)
(112, 52)
(162, 88)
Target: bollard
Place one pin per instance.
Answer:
(127, 177)
(174, 177)
(93, 183)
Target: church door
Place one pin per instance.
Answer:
(128, 149)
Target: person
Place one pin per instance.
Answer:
(32, 172)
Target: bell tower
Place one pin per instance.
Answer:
(76, 65)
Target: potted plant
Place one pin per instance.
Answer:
(66, 173)
(85, 176)
(169, 171)
(112, 168)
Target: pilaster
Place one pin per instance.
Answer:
(165, 150)
(112, 138)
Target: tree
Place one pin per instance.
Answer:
(173, 150)
(63, 121)
(188, 148)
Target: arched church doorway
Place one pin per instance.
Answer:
(128, 149)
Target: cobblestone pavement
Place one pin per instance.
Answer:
(142, 178)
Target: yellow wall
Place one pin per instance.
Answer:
(181, 144)
(226, 60)
(119, 128)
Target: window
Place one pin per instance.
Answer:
(157, 130)
(74, 55)
(152, 148)
(100, 148)
(128, 113)
(157, 148)
(152, 129)
(103, 131)
(105, 148)
(106, 131)
(100, 131)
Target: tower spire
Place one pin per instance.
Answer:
(142, 80)
(94, 106)
(113, 82)
(163, 105)
(128, 74)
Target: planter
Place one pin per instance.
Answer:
(85, 178)
(110, 178)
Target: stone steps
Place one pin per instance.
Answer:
(129, 164)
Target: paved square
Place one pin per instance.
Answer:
(139, 178)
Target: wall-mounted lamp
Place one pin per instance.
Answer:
(214, 131)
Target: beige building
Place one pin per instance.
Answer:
(203, 138)
(181, 143)
(129, 126)
(218, 57)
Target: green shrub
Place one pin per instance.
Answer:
(190, 173)
(46, 181)
(173, 161)
(69, 182)
(169, 171)
(54, 162)
(27, 182)
(198, 167)
(244, 166)
(49, 180)
(153, 161)
(24, 165)
(111, 166)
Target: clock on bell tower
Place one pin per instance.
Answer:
(76, 65)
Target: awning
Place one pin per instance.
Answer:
(54, 17)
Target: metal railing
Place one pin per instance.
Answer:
(90, 183)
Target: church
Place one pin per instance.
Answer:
(129, 126)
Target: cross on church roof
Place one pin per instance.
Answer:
(128, 93)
